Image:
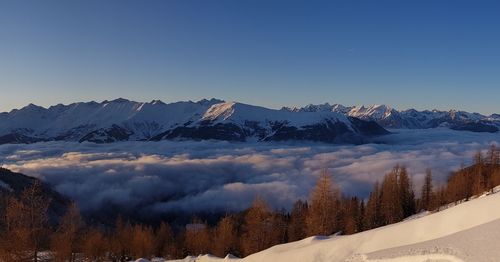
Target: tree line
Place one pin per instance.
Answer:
(26, 231)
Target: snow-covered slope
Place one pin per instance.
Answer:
(389, 117)
(122, 120)
(467, 232)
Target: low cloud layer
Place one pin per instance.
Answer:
(219, 176)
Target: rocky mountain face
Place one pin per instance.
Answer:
(124, 120)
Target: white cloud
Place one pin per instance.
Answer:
(218, 176)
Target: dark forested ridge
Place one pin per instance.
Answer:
(26, 230)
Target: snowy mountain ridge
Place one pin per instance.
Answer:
(123, 120)
(389, 117)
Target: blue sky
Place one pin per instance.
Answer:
(423, 54)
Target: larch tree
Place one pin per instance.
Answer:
(143, 245)
(440, 197)
(406, 193)
(493, 157)
(95, 245)
(26, 225)
(373, 211)
(198, 238)
(257, 226)
(479, 177)
(353, 217)
(427, 193)
(165, 241)
(280, 226)
(460, 186)
(392, 209)
(297, 226)
(322, 213)
(121, 244)
(495, 178)
(225, 236)
(66, 241)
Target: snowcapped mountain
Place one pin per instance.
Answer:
(411, 119)
(240, 122)
(123, 120)
(108, 121)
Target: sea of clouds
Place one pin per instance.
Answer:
(221, 176)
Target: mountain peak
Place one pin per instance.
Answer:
(211, 101)
(157, 102)
(120, 100)
(32, 107)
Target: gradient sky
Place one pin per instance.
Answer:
(423, 54)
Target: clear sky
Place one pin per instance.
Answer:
(423, 54)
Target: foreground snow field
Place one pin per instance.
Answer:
(468, 232)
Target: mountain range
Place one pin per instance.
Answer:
(389, 117)
(125, 120)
